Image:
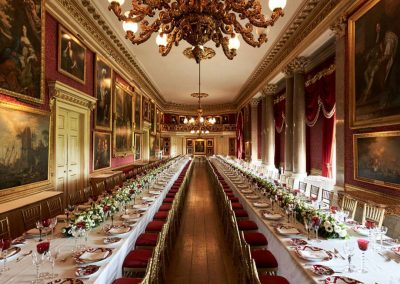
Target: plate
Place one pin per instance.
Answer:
(119, 230)
(269, 215)
(11, 252)
(298, 242)
(361, 230)
(242, 186)
(261, 204)
(311, 253)
(131, 216)
(141, 206)
(287, 230)
(92, 255)
(246, 191)
(321, 270)
(87, 271)
(148, 198)
(66, 281)
(18, 241)
(252, 196)
(155, 192)
(341, 280)
(396, 250)
(111, 240)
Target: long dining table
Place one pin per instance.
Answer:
(24, 271)
(382, 263)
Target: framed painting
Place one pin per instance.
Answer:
(101, 150)
(123, 120)
(138, 112)
(153, 117)
(189, 151)
(103, 79)
(158, 120)
(71, 56)
(374, 58)
(22, 41)
(189, 143)
(377, 158)
(232, 146)
(24, 158)
(174, 119)
(146, 109)
(199, 146)
(210, 142)
(152, 146)
(210, 151)
(138, 146)
(182, 119)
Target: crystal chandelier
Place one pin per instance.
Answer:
(199, 125)
(198, 22)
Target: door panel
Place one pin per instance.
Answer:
(61, 151)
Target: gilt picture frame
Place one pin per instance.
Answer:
(138, 146)
(138, 112)
(101, 150)
(374, 64)
(103, 92)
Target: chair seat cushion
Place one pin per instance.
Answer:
(273, 279)
(173, 190)
(168, 200)
(255, 239)
(247, 225)
(137, 258)
(230, 194)
(171, 194)
(233, 199)
(161, 215)
(165, 207)
(147, 239)
(264, 259)
(155, 226)
(237, 205)
(126, 280)
(227, 190)
(240, 213)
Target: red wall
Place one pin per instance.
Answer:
(315, 142)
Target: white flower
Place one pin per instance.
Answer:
(337, 228)
(342, 233)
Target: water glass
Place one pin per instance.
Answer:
(363, 246)
(348, 250)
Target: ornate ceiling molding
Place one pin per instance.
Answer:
(58, 90)
(99, 31)
(313, 13)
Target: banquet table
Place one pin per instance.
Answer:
(111, 268)
(381, 270)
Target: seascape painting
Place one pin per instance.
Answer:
(24, 150)
(123, 129)
(21, 44)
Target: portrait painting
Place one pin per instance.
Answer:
(138, 147)
(22, 39)
(218, 120)
(138, 112)
(24, 155)
(210, 151)
(210, 142)
(189, 143)
(189, 150)
(374, 58)
(71, 56)
(377, 158)
(174, 119)
(146, 109)
(158, 120)
(101, 150)
(225, 119)
(103, 80)
(199, 146)
(123, 122)
(182, 119)
(232, 146)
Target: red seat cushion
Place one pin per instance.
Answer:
(137, 258)
(255, 239)
(227, 190)
(168, 200)
(174, 190)
(237, 205)
(147, 239)
(229, 194)
(233, 199)
(171, 194)
(273, 279)
(264, 259)
(161, 215)
(128, 281)
(155, 226)
(240, 213)
(165, 207)
(247, 225)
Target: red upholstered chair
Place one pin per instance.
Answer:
(136, 261)
(240, 214)
(255, 239)
(171, 194)
(146, 241)
(247, 225)
(273, 279)
(265, 261)
(161, 215)
(173, 190)
(165, 207)
(168, 200)
(233, 199)
(237, 205)
(126, 280)
(227, 190)
(154, 226)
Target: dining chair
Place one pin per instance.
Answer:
(110, 184)
(87, 192)
(290, 183)
(374, 213)
(314, 192)
(99, 188)
(302, 187)
(74, 197)
(54, 206)
(326, 198)
(349, 204)
(5, 232)
(30, 215)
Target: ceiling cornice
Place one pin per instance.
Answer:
(99, 36)
(303, 29)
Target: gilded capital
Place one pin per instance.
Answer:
(339, 27)
(270, 89)
(288, 71)
(299, 64)
(254, 102)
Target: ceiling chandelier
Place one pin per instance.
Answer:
(198, 22)
(199, 125)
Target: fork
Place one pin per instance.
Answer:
(338, 253)
(23, 255)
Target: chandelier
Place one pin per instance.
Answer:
(199, 125)
(198, 22)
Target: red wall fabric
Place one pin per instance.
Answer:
(315, 149)
(277, 158)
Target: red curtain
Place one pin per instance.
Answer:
(279, 115)
(239, 136)
(327, 142)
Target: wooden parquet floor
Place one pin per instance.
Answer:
(201, 253)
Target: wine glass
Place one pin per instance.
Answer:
(348, 250)
(39, 226)
(52, 256)
(5, 245)
(316, 223)
(382, 230)
(363, 246)
(53, 224)
(37, 260)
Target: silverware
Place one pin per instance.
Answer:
(338, 253)
(23, 255)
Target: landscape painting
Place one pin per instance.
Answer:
(377, 158)
(21, 44)
(24, 150)
(374, 57)
(123, 123)
(103, 79)
(101, 150)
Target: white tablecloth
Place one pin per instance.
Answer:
(24, 271)
(297, 271)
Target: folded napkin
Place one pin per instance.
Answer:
(119, 230)
(272, 216)
(287, 230)
(313, 254)
(130, 216)
(93, 256)
(260, 204)
(252, 196)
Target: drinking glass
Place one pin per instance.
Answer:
(348, 250)
(53, 224)
(52, 256)
(37, 260)
(39, 226)
(363, 246)
(383, 231)
(316, 223)
(5, 245)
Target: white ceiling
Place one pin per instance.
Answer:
(176, 77)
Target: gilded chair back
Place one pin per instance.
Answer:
(349, 204)
(374, 213)
(30, 215)
(5, 228)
